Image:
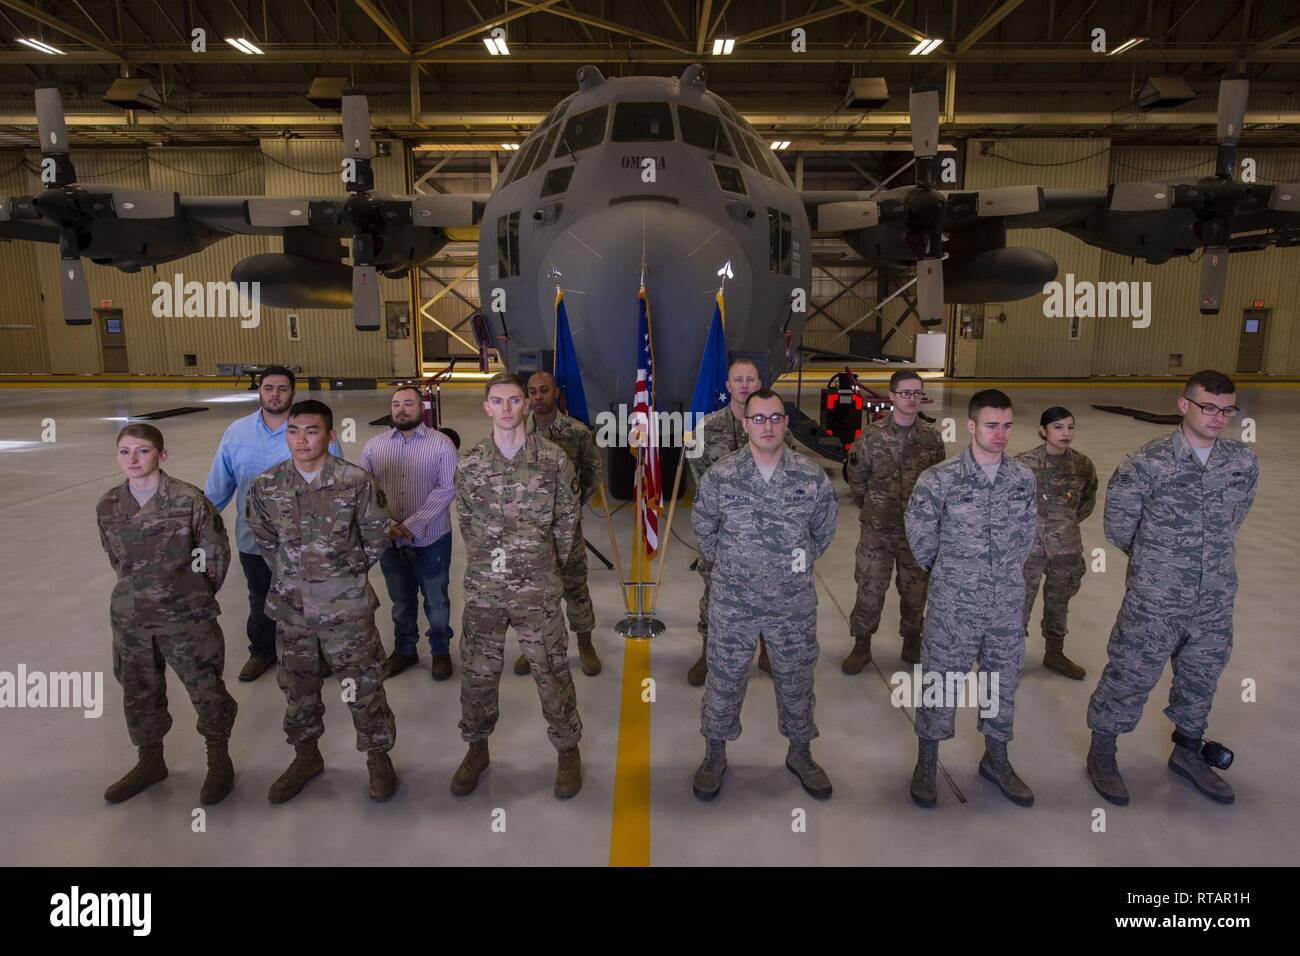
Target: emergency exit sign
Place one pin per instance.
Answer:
(1257, 304)
(105, 303)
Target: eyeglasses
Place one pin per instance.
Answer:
(1212, 410)
(776, 418)
(911, 393)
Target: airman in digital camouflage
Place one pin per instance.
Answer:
(1174, 507)
(970, 524)
(517, 500)
(884, 464)
(723, 432)
(321, 523)
(169, 549)
(1067, 492)
(762, 515)
(579, 444)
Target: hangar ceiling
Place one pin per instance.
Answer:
(1008, 67)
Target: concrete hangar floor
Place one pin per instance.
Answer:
(55, 582)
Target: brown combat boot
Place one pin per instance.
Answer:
(587, 653)
(221, 773)
(307, 763)
(383, 778)
(1103, 769)
(568, 773)
(149, 769)
(996, 768)
(858, 658)
(912, 649)
(465, 779)
(1054, 659)
(925, 793)
(699, 671)
(522, 666)
(763, 663)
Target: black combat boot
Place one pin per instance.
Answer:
(465, 779)
(699, 671)
(1054, 659)
(149, 769)
(924, 792)
(221, 773)
(912, 649)
(708, 778)
(799, 761)
(1103, 770)
(522, 666)
(307, 763)
(996, 768)
(859, 657)
(383, 778)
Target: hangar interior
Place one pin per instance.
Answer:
(1026, 98)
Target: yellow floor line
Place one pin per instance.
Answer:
(629, 827)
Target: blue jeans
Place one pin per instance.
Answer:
(260, 628)
(410, 573)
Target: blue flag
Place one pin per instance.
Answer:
(568, 378)
(711, 383)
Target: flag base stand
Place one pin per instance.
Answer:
(640, 626)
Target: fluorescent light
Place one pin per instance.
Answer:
(780, 144)
(40, 45)
(926, 46)
(496, 46)
(514, 147)
(244, 46)
(730, 45)
(1127, 45)
(723, 47)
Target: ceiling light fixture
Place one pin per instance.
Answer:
(40, 45)
(496, 46)
(1127, 45)
(513, 147)
(781, 144)
(926, 46)
(244, 46)
(723, 47)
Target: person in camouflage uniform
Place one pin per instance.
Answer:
(723, 432)
(763, 516)
(579, 444)
(517, 500)
(883, 466)
(970, 523)
(322, 523)
(1067, 492)
(1174, 507)
(164, 610)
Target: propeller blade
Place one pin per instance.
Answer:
(443, 211)
(1233, 91)
(50, 122)
(1285, 198)
(1214, 276)
(847, 216)
(929, 290)
(74, 292)
(1010, 201)
(365, 298)
(145, 204)
(277, 212)
(1141, 197)
(923, 104)
(356, 125)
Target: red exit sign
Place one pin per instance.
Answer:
(1257, 304)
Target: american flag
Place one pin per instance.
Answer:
(645, 424)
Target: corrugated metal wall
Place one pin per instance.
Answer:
(1028, 343)
(329, 344)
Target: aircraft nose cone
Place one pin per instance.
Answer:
(600, 258)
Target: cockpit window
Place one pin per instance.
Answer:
(742, 147)
(703, 130)
(766, 158)
(524, 160)
(553, 115)
(544, 153)
(583, 131)
(729, 178)
(557, 181)
(642, 123)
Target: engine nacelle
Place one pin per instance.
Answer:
(997, 275)
(297, 282)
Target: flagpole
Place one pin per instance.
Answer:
(668, 530)
(638, 534)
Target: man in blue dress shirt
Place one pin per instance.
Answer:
(249, 446)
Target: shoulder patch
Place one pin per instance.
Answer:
(217, 522)
(574, 486)
(853, 458)
(380, 498)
